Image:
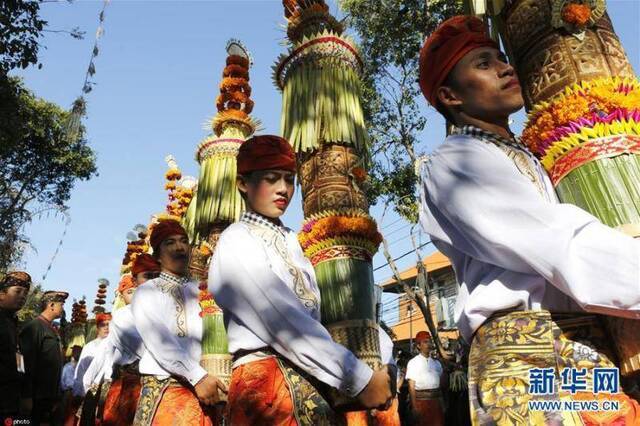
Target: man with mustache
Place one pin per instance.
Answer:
(14, 288)
(534, 273)
(166, 312)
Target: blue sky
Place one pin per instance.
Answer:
(157, 77)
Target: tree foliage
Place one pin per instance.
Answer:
(391, 33)
(20, 30)
(31, 308)
(39, 162)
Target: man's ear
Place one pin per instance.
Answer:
(448, 97)
(241, 183)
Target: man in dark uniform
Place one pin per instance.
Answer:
(40, 344)
(14, 288)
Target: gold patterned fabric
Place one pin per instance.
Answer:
(150, 396)
(509, 344)
(174, 287)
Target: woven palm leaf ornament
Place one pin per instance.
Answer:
(218, 203)
(583, 103)
(322, 118)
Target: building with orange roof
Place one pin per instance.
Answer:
(443, 290)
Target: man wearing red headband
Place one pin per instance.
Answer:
(267, 289)
(144, 268)
(89, 352)
(424, 375)
(166, 311)
(529, 268)
(122, 399)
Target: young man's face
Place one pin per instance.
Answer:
(484, 86)
(269, 192)
(102, 330)
(13, 298)
(174, 254)
(127, 295)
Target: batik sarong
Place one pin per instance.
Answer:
(508, 345)
(166, 402)
(122, 398)
(428, 408)
(389, 417)
(271, 392)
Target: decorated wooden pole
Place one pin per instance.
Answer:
(218, 203)
(76, 333)
(99, 302)
(322, 118)
(584, 117)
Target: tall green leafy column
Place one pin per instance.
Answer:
(322, 118)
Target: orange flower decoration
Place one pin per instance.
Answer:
(577, 14)
(359, 173)
(173, 174)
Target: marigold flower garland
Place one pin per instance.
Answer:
(598, 108)
(576, 14)
(331, 228)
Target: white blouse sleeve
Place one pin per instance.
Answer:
(153, 312)
(86, 357)
(99, 364)
(244, 285)
(474, 199)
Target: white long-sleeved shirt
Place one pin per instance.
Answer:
(68, 371)
(89, 352)
(166, 312)
(267, 289)
(122, 346)
(101, 365)
(514, 248)
(125, 338)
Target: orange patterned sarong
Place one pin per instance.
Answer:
(180, 407)
(122, 399)
(259, 395)
(271, 392)
(165, 402)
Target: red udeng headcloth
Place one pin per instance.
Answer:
(102, 318)
(144, 263)
(126, 282)
(163, 230)
(422, 336)
(444, 48)
(266, 152)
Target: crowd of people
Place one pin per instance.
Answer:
(531, 271)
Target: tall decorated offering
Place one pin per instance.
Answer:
(218, 201)
(75, 335)
(322, 118)
(584, 117)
